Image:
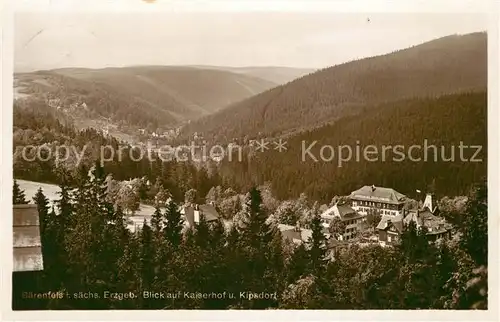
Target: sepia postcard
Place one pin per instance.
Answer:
(171, 158)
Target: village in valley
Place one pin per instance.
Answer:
(347, 221)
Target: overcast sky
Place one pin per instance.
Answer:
(54, 40)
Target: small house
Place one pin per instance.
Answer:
(352, 219)
(193, 213)
(295, 234)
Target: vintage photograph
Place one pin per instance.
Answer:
(250, 160)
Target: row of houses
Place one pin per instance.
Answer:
(191, 214)
(368, 199)
(387, 203)
(166, 134)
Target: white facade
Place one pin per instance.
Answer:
(364, 207)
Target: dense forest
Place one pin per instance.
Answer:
(442, 122)
(444, 66)
(445, 121)
(89, 255)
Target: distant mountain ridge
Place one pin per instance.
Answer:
(451, 64)
(143, 95)
(276, 74)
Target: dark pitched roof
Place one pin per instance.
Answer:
(345, 212)
(378, 194)
(386, 222)
(434, 224)
(398, 225)
(291, 233)
(209, 211)
(27, 244)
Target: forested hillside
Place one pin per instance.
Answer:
(42, 131)
(444, 122)
(154, 96)
(444, 66)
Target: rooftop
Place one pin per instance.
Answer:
(434, 224)
(344, 212)
(191, 213)
(209, 212)
(387, 221)
(292, 233)
(378, 194)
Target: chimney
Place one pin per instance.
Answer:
(373, 187)
(297, 226)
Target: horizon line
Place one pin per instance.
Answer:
(194, 65)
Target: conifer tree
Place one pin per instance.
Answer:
(173, 224)
(256, 238)
(62, 224)
(409, 240)
(18, 196)
(42, 204)
(474, 228)
(217, 235)
(146, 257)
(115, 237)
(445, 267)
(233, 238)
(128, 272)
(317, 246)
(202, 233)
(156, 220)
(256, 232)
(47, 238)
(52, 245)
(92, 213)
(65, 205)
(298, 263)
(276, 260)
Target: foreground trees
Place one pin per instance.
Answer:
(86, 246)
(18, 196)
